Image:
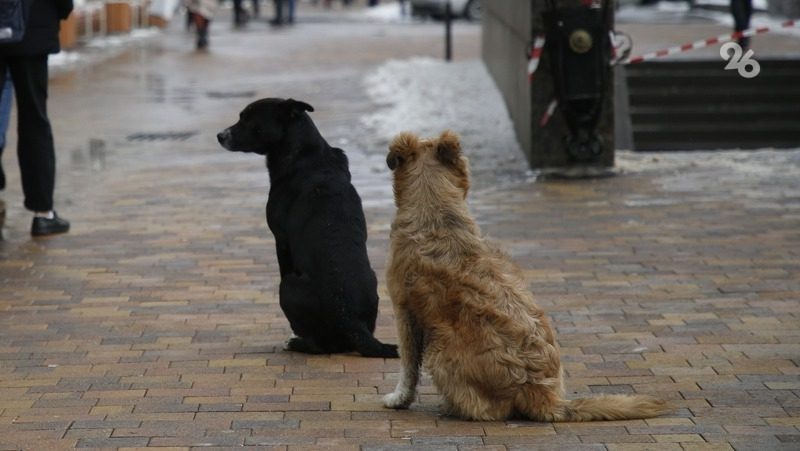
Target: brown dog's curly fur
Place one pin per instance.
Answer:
(462, 306)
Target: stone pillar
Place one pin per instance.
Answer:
(549, 152)
(509, 27)
(506, 35)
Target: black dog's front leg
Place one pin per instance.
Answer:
(301, 306)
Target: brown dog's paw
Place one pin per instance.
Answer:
(398, 399)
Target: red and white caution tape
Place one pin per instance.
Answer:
(619, 46)
(622, 43)
(551, 108)
(707, 42)
(534, 55)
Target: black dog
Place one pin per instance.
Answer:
(328, 289)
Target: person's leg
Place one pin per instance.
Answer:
(238, 13)
(201, 25)
(291, 11)
(35, 146)
(278, 12)
(741, 11)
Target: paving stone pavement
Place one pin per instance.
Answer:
(155, 322)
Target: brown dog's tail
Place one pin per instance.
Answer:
(608, 407)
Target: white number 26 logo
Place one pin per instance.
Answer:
(746, 65)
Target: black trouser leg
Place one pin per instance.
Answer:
(278, 11)
(35, 148)
(238, 12)
(742, 10)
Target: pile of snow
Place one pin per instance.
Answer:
(390, 12)
(100, 48)
(427, 96)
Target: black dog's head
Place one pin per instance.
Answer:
(262, 124)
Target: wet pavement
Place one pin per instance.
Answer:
(155, 322)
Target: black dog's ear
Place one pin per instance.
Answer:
(448, 150)
(296, 107)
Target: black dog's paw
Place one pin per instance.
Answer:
(305, 345)
(390, 351)
(381, 350)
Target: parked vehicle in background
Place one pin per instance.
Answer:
(468, 9)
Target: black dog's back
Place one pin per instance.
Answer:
(328, 289)
(327, 239)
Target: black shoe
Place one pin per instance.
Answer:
(2, 178)
(46, 226)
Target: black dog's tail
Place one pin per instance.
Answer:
(369, 346)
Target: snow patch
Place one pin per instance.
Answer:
(391, 12)
(427, 96)
(99, 48)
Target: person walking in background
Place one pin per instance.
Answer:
(26, 60)
(279, 17)
(742, 10)
(202, 12)
(240, 16)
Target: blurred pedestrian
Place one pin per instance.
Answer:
(202, 12)
(742, 10)
(241, 15)
(26, 60)
(280, 19)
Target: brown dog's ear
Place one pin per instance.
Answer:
(295, 107)
(448, 149)
(402, 145)
(393, 160)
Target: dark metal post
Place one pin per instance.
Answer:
(551, 132)
(448, 34)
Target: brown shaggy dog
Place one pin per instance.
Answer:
(462, 306)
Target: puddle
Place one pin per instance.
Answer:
(231, 94)
(93, 156)
(162, 136)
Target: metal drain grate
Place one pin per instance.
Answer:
(161, 136)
